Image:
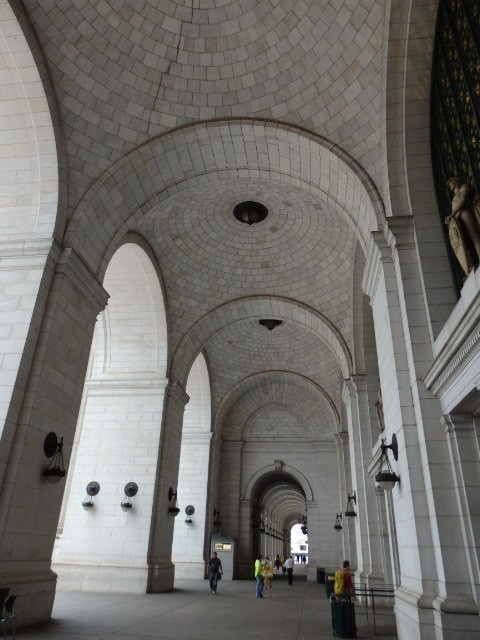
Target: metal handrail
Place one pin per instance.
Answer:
(383, 591)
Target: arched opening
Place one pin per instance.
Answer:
(103, 546)
(278, 501)
(189, 532)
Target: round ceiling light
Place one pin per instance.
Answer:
(250, 212)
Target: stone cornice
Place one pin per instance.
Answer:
(462, 347)
(119, 385)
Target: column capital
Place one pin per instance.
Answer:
(457, 422)
(70, 266)
(349, 390)
(177, 392)
(340, 438)
(379, 253)
(400, 232)
(360, 381)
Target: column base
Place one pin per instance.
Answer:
(421, 618)
(161, 577)
(104, 578)
(35, 595)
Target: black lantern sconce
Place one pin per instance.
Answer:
(386, 477)
(304, 528)
(338, 522)
(189, 510)
(351, 500)
(53, 448)
(92, 490)
(130, 489)
(172, 503)
(216, 518)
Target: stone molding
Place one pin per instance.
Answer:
(141, 386)
(27, 253)
(457, 353)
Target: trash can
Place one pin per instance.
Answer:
(320, 575)
(343, 617)
(329, 584)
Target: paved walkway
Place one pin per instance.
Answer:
(191, 612)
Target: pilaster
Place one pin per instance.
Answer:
(30, 507)
(161, 569)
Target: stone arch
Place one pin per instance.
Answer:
(287, 471)
(118, 431)
(272, 376)
(28, 148)
(135, 293)
(409, 178)
(234, 148)
(256, 306)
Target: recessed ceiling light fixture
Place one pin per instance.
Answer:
(250, 212)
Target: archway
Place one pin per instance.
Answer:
(118, 435)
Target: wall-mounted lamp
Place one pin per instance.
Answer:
(130, 489)
(338, 522)
(386, 478)
(172, 503)
(304, 528)
(53, 448)
(351, 500)
(189, 510)
(92, 489)
(216, 518)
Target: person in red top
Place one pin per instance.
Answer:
(347, 578)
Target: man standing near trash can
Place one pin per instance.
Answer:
(343, 580)
(289, 567)
(343, 609)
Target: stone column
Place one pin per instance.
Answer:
(161, 573)
(349, 550)
(465, 459)
(30, 506)
(374, 572)
(350, 399)
(433, 598)
(245, 537)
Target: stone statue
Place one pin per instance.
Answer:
(464, 224)
(379, 408)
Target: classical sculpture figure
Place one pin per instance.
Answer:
(464, 224)
(379, 408)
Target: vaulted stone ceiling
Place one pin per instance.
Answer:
(126, 72)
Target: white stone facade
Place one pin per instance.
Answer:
(131, 298)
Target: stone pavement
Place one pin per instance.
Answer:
(191, 612)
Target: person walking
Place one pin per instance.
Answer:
(259, 577)
(215, 570)
(289, 567)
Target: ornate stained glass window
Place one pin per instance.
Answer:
(455, 102)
